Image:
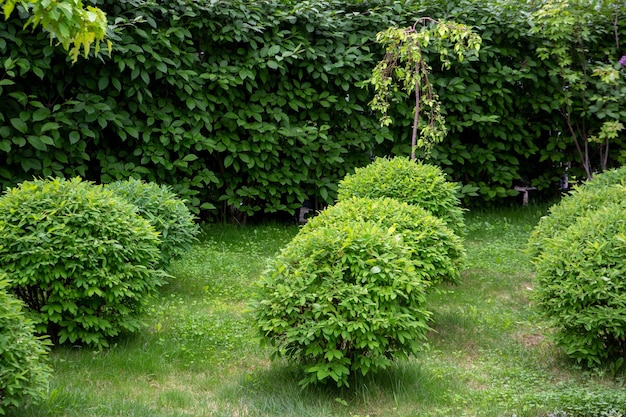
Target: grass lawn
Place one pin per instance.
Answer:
(489, 354)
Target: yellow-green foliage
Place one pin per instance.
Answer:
(581, 285)
(24, 370)
(79, 257)
(165, 211)
(434, 248)
(606, 188)
(343, 299)
(578, 251)
(412, 182)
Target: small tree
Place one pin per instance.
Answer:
(592, 83)
(405, 66)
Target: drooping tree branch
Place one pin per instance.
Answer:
(69, 22)
(405, 67)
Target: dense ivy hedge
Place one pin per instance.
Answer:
(247, 107)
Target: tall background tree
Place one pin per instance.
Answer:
(592, 89)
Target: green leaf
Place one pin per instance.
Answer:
(132, 131)
(74, 137)
(145, 76)
(19, 124)
(49, 126)
(103, 83)
(29, 164)
(5, 146)
(18, 140)
(41, 114)
(116, 84)
(273, 50)
(37, 143)
(39, 72)
(161, 66)
(7, 8)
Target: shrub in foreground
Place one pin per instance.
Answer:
(615, 176)
(408, 181)
(79, 257)
(582, 201)
(343, 299)
(435, 250)
(581, 285)
(24, 369)
(167, 213)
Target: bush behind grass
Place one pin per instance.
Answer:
(578, 251)
(408, 181)
(80, 258)
(436, 251)
(24, 368)
(165, 211)
(580, 286)
(343, 299)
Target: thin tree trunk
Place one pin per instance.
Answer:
(416, 119)
(584, 156)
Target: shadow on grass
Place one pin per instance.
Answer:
(403, 388)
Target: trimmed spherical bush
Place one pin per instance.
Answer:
(434, 248)
(80, 257)
(167, 213)
(581, 285)
(615, 176)
(582, 201)
(408, 181)
(24, 368)
(343, 299)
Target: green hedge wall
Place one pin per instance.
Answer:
(253, 107)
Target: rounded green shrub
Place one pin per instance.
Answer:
(342, 299)
(408, 181)
(581, 285)
(82, 260)
(615, 176)
(434, 248)
(580, 202)
(165, 211)
(24, 368)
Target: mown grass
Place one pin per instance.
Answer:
(489, 354)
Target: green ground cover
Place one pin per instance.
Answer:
(489, 353)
